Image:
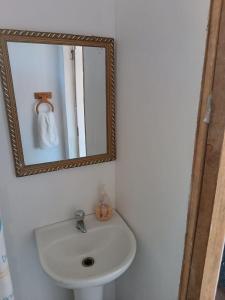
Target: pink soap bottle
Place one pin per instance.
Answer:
(103, 209)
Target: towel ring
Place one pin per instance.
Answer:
(46, 102)
(43, 97)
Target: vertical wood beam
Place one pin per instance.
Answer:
(200, 145)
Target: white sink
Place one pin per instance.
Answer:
(111, 247)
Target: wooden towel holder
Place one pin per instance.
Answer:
(43, 97)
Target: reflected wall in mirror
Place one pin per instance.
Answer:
(59, 95)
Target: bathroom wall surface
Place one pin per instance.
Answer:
(160, 53)
(30, 202)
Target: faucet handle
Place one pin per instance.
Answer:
(79, 215)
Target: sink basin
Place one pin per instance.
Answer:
(82, 261)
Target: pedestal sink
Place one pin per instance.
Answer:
(85, 262)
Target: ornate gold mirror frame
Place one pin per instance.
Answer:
(7, 35)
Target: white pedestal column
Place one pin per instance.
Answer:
(89, 293)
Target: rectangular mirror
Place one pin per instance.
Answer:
(59, 96)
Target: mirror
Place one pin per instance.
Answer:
(59, 99)
(75, 76)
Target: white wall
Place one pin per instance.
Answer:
(41, 199)
(160, 50)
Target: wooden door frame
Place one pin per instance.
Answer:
(216, 237)
(194, 212)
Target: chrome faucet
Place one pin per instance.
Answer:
(79, 217)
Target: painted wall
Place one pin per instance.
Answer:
(160, 50)
(33, 201)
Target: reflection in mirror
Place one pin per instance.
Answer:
(220, 294)
(75, 125)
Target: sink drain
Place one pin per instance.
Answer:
(88, 261)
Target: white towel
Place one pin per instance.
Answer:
(47, 130)
(6, 289)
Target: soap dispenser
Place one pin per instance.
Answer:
(103, 209)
